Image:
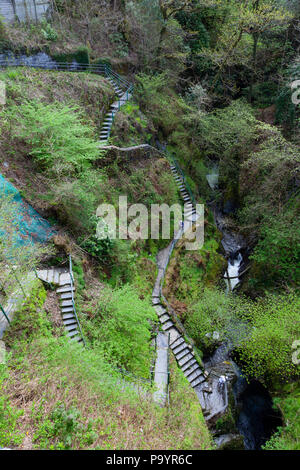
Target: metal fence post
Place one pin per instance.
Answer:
(4, 313)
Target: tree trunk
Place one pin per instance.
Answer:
(255, 36)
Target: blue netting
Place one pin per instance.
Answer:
(30, 226)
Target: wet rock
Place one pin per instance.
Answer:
(216, 394)
(230, 442)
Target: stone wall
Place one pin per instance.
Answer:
(23, 10)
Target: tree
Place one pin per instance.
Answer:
(246, 18)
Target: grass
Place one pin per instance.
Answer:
(57, 395)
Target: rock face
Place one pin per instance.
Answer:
(24, 10)
(229, 442)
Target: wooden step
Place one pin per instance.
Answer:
(160, 310)
(182, 354)
(190, 370)
(66, 303)
(186, 359)
(195, 374)
(179, 348)
(177, 341)
(164, 317)
(71, 321)
(72, 333)
(71, 327)
(166, 326)
(198, 381)
(68, 316)
(67, 310)
(66, 288)
(66, 295)
(187, 365)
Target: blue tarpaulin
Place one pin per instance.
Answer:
(29, 225)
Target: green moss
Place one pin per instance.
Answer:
(81, 55)
(287, 398)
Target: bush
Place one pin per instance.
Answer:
(215, 312)
(267, 351)
(125, 332)
(277, 254)
(77, 200)
(57, 136)
(49, 32)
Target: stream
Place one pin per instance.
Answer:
(256, 419)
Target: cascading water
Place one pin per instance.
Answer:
(257, 420)
(213, 177)
(232, 273)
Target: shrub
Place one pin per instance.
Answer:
(57, 136)
(49, 32)
(267, 351)
(125, 330)
(215, 312)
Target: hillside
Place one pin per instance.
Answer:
(188, 105)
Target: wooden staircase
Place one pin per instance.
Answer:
(123, 96)
(182, 350)
(65, 291)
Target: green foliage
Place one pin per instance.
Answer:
(286, 111)
(125, 329)
(79, 275)
(80, 55)
(267, 351)
(57, 136)
(63, 426)
(277, 254)
(9, 418)
(31, 319)
(77, 200)
(192, 23)
(120, 45)
(197, 97)
(224, 131)
(270, 201)
(288, 436)
(215, 312)
(159, 102)
(263, 94)
(48, 31)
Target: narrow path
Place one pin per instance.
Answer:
(182, 350)
(35, 228)
(63, 280)
(171, 336)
